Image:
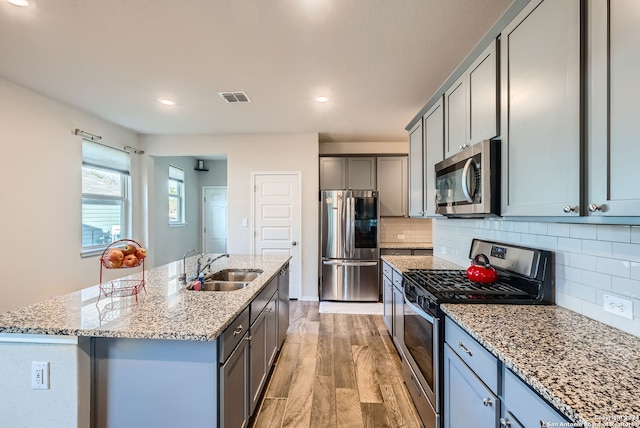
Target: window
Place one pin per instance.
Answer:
(105, 185)
(176, 195)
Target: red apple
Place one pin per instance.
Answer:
(129, 249)
(130, 260)
(141, 253)
(115, 255)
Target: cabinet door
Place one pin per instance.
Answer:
(467, 401)
(258, 358)
(614, 109)
(483, 102)
(271, 344)
(392, 185)
(361, 173)
(387, 303)
(540, 89)
(283, 304)
(416, 171)
(398, 319)
(234, 380)
(333, 173)
(455, 117)
(433, 123)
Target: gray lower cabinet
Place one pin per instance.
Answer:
(468, 402)
(480, 392)
(540, 110)
(263, 346)
(283, 304)
(234, 380)
(393, 304)
(387, 303)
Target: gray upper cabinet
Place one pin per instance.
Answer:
(333, 173)
(471, 104)
(483, 96)
(392, 185)
(540, 91)
(614, 47)
(455, 117)
(433, 124)
(338, 173)
(361, 173)
(416, 172)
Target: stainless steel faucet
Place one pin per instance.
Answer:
(206, 266)
(183, 277)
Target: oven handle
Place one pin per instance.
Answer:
(433, 320)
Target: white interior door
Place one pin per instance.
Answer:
(276, 220)
(214, 234)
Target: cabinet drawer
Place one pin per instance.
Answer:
(259, 303)
(397, 280)
(526, 405)
(232, 335)
(481, 361)
(387, 270)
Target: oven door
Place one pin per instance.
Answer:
(421, 337)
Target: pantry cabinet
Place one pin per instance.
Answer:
(540, 108)
(614, 47)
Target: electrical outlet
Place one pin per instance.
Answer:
(39, 375)
(400, 236)
(619, 306)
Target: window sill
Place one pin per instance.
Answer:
(177, 224)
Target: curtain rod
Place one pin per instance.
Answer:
(134, 150)
(87, 135)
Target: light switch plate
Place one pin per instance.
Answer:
(618, 306)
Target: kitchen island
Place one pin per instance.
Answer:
(587, 371)
(169, 332)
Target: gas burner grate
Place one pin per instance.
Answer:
(455, 283)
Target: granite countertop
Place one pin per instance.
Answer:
(404, 263)
(587, 370)
(166, 311)
(410, 245)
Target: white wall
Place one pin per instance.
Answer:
(590, 259)
(256, 152)
(41, 196)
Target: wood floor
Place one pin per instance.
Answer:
(336, 370)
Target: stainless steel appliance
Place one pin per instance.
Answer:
(468, 183)
(349, 245)
(525, 276)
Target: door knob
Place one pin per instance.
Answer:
(294, 243)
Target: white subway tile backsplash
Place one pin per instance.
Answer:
(626, 251)
(613, 233)
(582, 231)
(597, 248)
(614, 267)
(626, 287)
(570, 244)
(590, 259)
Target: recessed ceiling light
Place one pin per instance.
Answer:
(21, 3)
(322, 99)
(167, 102)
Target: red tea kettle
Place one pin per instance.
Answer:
(481, 271)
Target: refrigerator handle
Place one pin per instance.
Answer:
(352, 223)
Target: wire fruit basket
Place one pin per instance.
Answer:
(122, 254)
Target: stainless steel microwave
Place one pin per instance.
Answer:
(468, 183)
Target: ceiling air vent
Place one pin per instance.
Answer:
(235, 97)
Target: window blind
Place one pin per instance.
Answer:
(95, 155)
(176, 174)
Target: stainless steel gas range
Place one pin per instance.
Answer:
(525, 276)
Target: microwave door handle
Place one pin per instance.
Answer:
(465, 175)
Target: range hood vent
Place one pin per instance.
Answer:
(235, 97)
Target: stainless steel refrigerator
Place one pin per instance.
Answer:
(349, 253)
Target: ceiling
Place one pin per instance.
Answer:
(378, 61)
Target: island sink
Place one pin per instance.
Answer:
(233, 275)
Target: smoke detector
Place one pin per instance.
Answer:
(235, 97)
